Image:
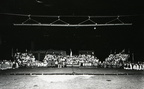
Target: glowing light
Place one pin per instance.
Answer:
(39, 1)
(61, 78)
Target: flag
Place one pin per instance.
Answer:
(123, 51)
(70, 53)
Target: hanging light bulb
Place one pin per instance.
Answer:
(94, 27)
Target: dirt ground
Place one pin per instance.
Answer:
(85, 78)
(71, 81)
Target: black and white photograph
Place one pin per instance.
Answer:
(71, 44)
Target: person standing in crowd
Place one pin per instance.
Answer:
(14, 64)
(60, 62)
(0, 65)
(53, 62)
(63, 62)
(143, 66)
(56, 63)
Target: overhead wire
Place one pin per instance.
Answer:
(68, 24)
(105, 16)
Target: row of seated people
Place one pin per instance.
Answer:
(134, 66)
(80, 60)
(8, 64)
(24, 58)
(123, 60)
(112, 61)
(19, 60)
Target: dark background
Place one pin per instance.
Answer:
(102, 39)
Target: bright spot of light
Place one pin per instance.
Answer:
(39, 1)
(61, 78)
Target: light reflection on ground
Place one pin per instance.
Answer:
(72, 82)
(61, 78)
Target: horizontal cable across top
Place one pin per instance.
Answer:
(54, 16)
(64, 23)
(73, 25)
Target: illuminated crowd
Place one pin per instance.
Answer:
(119, 60)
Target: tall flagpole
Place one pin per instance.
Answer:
(129, 53)
(72, 62)
(12, 53)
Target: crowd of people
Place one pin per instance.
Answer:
(8, 64)
(26, 59)
(66, 61)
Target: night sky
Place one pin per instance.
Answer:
(102, 40)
